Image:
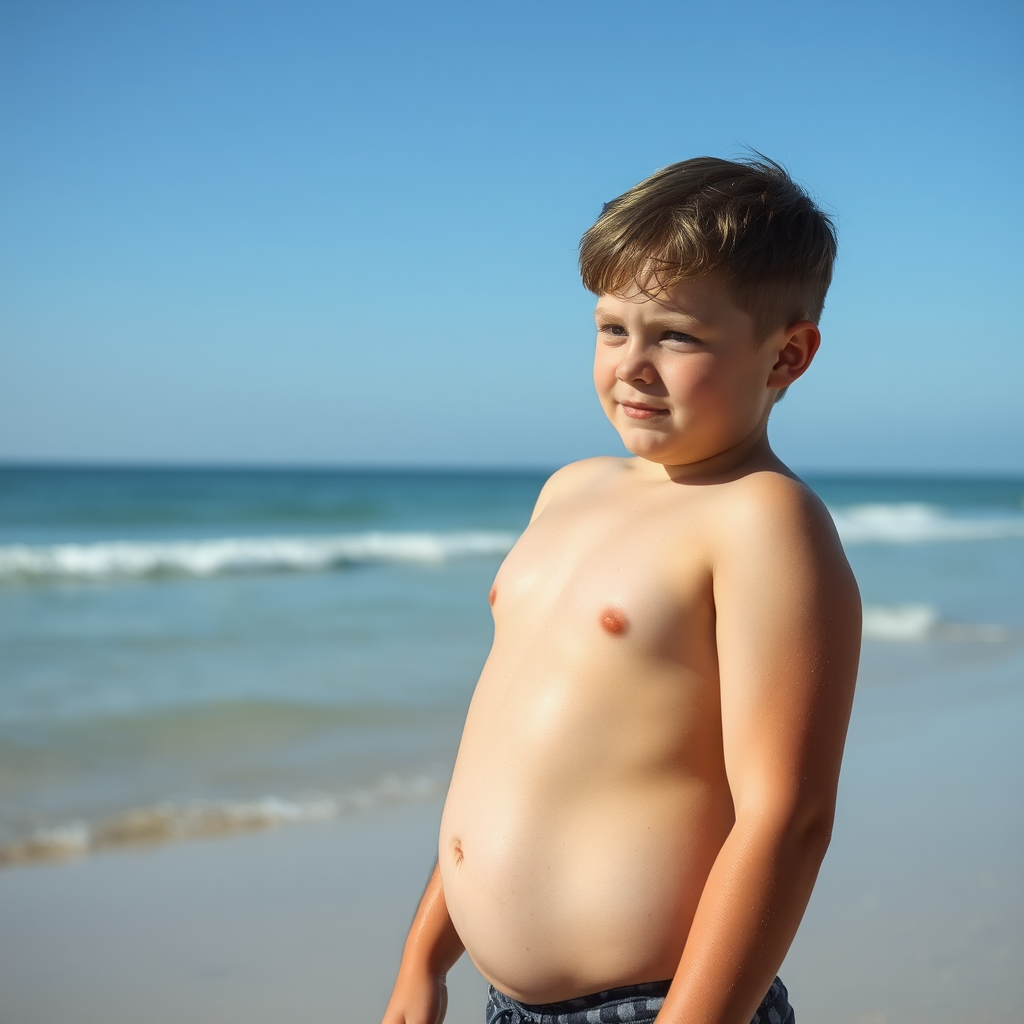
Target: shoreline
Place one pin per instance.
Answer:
(918, 674)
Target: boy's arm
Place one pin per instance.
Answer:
(788, 636)
(420, 995)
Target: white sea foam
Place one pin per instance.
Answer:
(914, 523)
(168, 821)
(132, 559)
(112, 560)
(69, 840)
(899, 622)
(907, 622)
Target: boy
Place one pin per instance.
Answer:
(646, 781)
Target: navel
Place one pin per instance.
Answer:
(613, 621)
(492, 596)
(457, 853)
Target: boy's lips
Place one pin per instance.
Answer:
(640, 411)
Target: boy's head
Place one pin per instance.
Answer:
(747, 222)
(710, 277)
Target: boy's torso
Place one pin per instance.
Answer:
(590, 798)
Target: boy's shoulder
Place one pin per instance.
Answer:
(768, 495)
(773, 503)
(763, 499)
(773, 540)
(575, 476)
(763, 523)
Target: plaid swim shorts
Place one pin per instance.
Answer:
(636, 1004)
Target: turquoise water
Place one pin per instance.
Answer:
(187, 652)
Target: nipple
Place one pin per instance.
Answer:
(492, 596)
(613, 621)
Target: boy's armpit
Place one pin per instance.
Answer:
(788, 636)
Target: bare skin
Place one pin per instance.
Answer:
(646, 781)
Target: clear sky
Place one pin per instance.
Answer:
(326, 232)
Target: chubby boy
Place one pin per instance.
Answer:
(646, 781)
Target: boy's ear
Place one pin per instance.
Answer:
(799, 344)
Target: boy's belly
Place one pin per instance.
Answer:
(575, 843)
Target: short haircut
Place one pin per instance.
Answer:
(745, 220)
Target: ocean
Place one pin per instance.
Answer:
(193, 652)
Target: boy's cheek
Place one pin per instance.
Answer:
(604, 380)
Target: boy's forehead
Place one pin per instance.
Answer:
(702, 300)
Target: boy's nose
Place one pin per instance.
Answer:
(635, 366)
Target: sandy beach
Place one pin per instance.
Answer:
(304, 922)
(916, 918)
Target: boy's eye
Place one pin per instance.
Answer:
(681, 337)
(615, 330)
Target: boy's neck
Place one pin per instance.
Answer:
(751, 454)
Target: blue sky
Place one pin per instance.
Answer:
(312, 232)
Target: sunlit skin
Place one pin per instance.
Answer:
(646, 780)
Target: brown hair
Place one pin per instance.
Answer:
(748, 221)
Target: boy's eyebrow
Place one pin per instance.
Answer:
(669, 316)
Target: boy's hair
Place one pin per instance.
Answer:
(748, 221)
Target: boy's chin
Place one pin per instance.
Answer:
(651, 449)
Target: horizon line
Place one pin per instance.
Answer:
(269, 466)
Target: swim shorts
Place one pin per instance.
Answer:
(637, 1004)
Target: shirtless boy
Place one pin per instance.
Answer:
(646, 781)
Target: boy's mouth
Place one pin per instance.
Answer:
(639, 411)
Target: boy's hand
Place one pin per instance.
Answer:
(418, 998)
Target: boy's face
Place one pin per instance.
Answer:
(682, 376)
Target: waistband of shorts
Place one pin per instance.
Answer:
(645, 990)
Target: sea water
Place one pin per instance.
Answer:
(194, 652)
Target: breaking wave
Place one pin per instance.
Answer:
(909, 523)
(169, 821)
(908, 622)
(915, 523)
(112, 560)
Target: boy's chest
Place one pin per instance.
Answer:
(633, 574)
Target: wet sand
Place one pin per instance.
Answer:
(918, 916)
(303, 923)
